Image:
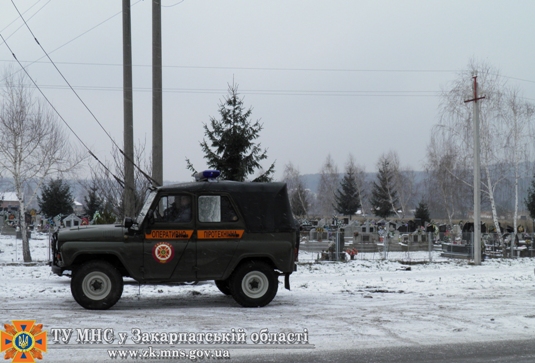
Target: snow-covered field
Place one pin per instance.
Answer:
(361, 303)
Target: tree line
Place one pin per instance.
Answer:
(34, 147)
(507, 164)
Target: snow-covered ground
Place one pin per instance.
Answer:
(360, 303)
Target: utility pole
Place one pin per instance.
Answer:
(128, 195)
(477, 177)
(157, 130)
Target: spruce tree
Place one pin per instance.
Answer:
(56, 198)
(422, 213)
(384, 196)
(230, 147)
(347, 196)
(92, 201)
(530, 199)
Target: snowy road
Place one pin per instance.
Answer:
(354, 305)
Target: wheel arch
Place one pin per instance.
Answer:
(248, 259)
(112, 259)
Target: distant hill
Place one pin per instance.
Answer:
(312, 181)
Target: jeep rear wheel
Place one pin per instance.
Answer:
(222, 285)
(97, 285)
(254, 284)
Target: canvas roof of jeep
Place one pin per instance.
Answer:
(264, 206)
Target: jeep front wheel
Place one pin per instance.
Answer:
(97, 285)
(254, 284)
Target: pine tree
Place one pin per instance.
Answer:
(530, 199)
(422, 213)
(347, 196)
(56, 198)
(92, 201)
(230, 147)
(384, 198)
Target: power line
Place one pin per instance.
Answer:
(519, 79)
(228, 67)
(16, 30)
(79, 98)
(62, 76)
(366, 93)
(280, 69)
(87, 31)
(14, 20)
(61, 117)
(170, 6)
(260, 68)
(73, 39)
(258, 91)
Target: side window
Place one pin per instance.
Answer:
(228, 214)
(215, 208)
(210, 208)
(161, 206)
(173, 209)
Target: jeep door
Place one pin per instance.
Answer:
(168, 252)
(219, 230)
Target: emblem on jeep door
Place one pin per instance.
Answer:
(163, 252)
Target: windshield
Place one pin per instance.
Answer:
(146, 206)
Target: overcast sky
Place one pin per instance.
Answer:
(324, 77)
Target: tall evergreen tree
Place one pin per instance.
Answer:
(230, 147)
(347, 196)
(92, 201)
(384, 198)
(530, 199)
(56, 198)
(422, 213)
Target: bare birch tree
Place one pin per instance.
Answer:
(111, 190)
(518, 116)
(329, 179)
(299, 196)
(455, 127)
(448, 185)
(404, 184)
(32, 145)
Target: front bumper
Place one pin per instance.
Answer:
(57, 270)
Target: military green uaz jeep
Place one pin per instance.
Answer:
(241, 235)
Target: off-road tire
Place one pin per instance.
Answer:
(97, 285)
(254, 284)
(222, 285)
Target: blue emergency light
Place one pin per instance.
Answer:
(207, 175)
